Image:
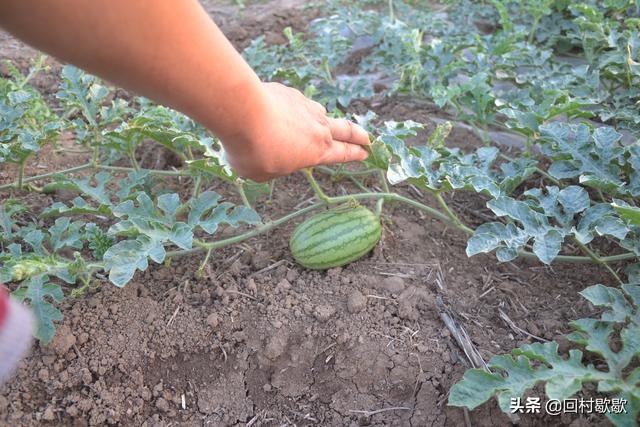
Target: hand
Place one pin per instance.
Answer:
(288, 132)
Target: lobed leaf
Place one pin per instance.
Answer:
(513, 375)
(37, 291)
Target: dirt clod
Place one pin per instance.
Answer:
(323, 312)
(393, 285)
(356, 302)
(276, 345)
(162, 404)
(213, 320)
(49, 414)
(63, 341)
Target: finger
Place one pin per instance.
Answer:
(342, 152)
(347, 131)
(319, 108)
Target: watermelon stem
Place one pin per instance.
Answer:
(597, 260)
(340, 173)
(204, 246)
(203, 264)
(452, 216)
(379, 205)
(308, 172)
(385, 188)
(239, 184)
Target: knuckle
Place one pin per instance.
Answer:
(324, 121)
(327, 137)
(320, 107)
(319, 132)
(347, 155)
(350, 129)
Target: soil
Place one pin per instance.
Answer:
(261, 341)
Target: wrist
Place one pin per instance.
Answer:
(239, 120)
(230, 116)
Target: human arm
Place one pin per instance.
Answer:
(172, 52)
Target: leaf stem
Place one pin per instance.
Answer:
(22, 166)
(379, 206)
(331, 200)
(92, 166)
(385, 188)
(96, 149)
(582, 259)
(332, 172)
(596, 259)
(47, 175)
(383, 181)
(387, 196)
(197, 183)
(134, 162)
(149, 171)
(202, 246)
(308, 173)
(358, 184)
(452, 216)
(204, 263)
(534, 28)
(239, 184)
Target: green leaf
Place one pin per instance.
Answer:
(495, 235)
(82, 91)
(515, 173)
(594, 158)
(600, 220)
(574, 199)
(65, 233)
(256, 190)
(516, 374)
(79, 206)
(149, 227)
(37, 291)
(99, 241)
(513, 375)
(8, 209)
(437, 168)
(629, 213)
(124, 258)
(547, 247)
(26, 121)
(159, 225)
(35, 239)
(534, 222)
(215, 162)
(169, 204)
(84, 186)
(207, 213)
(613, 299)
(561, 205)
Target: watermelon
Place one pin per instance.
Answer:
(335, 238)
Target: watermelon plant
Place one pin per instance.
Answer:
(516, 373)
(560, 76)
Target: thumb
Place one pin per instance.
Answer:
(343, 152)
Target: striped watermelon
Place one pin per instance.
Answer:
(335, 238)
